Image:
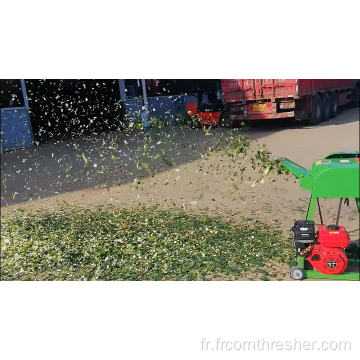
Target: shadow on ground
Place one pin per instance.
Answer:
(109, 159)
(113, 159)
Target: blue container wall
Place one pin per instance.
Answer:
(16, 129)
(190, 99)
(165, 108)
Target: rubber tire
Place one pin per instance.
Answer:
(357, 96)
(227, 123)
(333, 104)
(316, 113)
(252, 123)
(325, 104)
(297, 273)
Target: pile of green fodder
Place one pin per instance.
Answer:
(134, 244)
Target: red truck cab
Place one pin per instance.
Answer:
(208, 107)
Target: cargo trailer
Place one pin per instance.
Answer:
(310, 100)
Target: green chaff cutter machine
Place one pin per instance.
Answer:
(328, 252)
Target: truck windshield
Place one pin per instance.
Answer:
(209, 101)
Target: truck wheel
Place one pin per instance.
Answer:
(254, 123)
(297, 273)
(316, 113)
(225, 121)
(333, 104)
(325, 104)
(357, 96)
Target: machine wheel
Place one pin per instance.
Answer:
(325, 104)
(297, 273)
(225, 121)
(316, 113)
(333, 104)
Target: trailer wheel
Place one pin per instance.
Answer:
(316, 113)
(333, 104)
(225, 121)
(325, 104)
(297, 273)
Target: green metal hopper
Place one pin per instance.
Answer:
(335, 176)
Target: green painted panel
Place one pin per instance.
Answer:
(313, 274)
(335, 176)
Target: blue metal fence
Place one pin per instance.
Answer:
(15, 125)
(16, 129)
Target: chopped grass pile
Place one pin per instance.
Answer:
(136, 244)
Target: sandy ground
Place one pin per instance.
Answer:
(93, 172)
(304, 144)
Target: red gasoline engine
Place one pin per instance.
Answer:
(325, 250)
(328, 255)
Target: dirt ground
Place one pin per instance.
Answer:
(77, 172)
